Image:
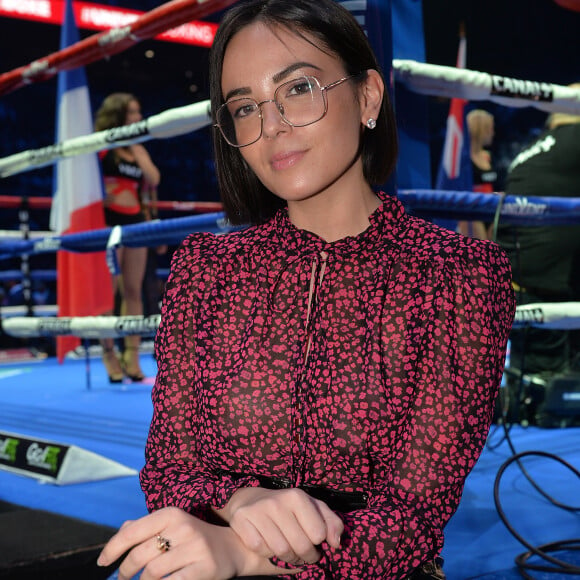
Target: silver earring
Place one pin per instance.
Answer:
(371, 123)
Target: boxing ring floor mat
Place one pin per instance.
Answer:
(51, 401)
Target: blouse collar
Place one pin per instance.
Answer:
(383, 222)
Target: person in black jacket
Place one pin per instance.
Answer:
(545, 259)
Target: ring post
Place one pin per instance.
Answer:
(87, 362)
(24, 226)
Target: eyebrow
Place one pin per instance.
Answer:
(278, 77)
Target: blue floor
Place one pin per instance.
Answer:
(55, 402)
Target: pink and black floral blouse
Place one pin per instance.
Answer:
(368, 364)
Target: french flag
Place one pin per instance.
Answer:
(455, 171)
(84, 286)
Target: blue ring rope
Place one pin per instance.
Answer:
(516, 210)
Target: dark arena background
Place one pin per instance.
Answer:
(55, 517)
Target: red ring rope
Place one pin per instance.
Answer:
(15, 202)
(107, 43)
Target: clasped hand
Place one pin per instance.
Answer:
(262, 523)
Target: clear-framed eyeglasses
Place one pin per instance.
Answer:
(300, 102)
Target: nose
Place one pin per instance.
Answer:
(272, 121)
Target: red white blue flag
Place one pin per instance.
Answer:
(84, 286)
(455, 171)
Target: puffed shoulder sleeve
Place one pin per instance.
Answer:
(173, 474)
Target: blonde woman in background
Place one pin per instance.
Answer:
(481, 128)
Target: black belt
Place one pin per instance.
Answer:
(336, 500)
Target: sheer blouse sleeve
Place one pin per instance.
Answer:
(458, 371)
(173, 475)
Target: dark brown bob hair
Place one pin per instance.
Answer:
(245, 199)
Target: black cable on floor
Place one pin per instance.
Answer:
(559, 566)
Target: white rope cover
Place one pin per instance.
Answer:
(169, 123)
(446, 81)
(548, 315)
(84, 327)
(556, 316)
(423, 78)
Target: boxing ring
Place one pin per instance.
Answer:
(422, 78)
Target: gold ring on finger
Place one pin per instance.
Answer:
(163, 544)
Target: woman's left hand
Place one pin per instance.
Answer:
(172, 543)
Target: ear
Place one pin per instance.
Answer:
(371, 96)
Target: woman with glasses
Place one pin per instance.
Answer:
(326, 375)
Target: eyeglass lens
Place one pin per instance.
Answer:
(299, 101)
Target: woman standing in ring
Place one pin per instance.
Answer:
(128, 174)
(327, 376)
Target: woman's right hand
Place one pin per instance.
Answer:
(286, 523)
